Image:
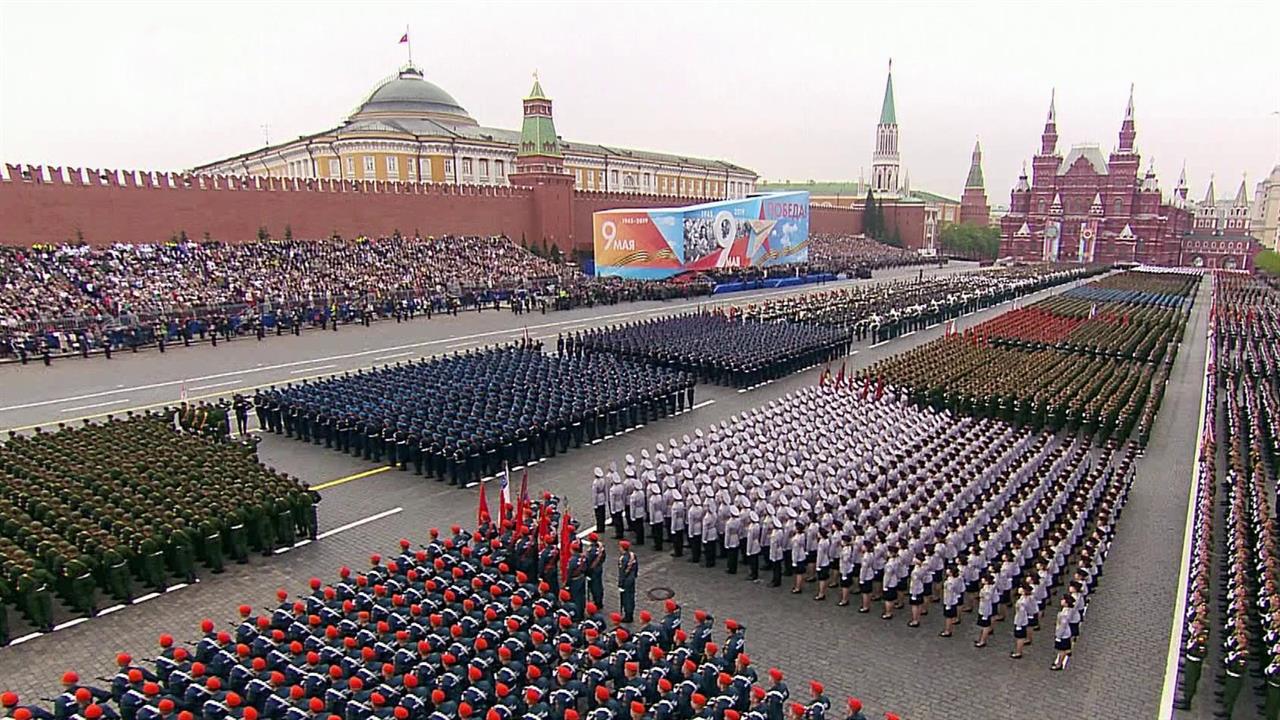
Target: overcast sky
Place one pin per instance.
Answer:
(789, 89)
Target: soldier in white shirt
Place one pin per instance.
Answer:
(753, 545)
(867, 575)
(693, 521)
(799, 558)
(733, 539)
(676, 521)
(952, 597)
(822, 563)
(847, 564)
(657, 514)
(617, 503)
(710, 534)
(777, 551)
(917, 596)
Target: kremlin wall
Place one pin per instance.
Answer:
(54, 205)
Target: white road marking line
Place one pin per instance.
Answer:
(930, 327)
(458, 345)
(283, 550)
(1184, 568)
(311, 369)
(144, 598)
(913, 332)
(703, 404)
(70, 623)
(221, 384)
(95, 405)
(24, 638)
(358, 523)
(882, 342)
(171, 588)
(301, 543)
(108, 611)
(394, 355)
(731, 298)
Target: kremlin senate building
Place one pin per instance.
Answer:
(410, 129)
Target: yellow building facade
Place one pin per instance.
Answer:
(410, 130)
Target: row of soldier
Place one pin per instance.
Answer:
(465, 416)
(103, 509)
(893, 514)
(716, 347)
(445, 631)
(1248, 601)
(886, 310)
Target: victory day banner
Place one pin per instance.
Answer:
(758, 231)
(1088, 240)
(1052, 240)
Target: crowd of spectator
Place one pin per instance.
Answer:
(68, 299)
(846, 253)
(75, 298)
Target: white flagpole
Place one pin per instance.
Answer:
(409, 42)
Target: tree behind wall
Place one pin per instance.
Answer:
(1267, 261)
(971, 242)
(872, 221)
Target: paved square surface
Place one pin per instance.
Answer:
(1116, 673)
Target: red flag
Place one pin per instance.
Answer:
(544, 523)
(879, 388)
(866, 385)
(564, 547)
(482, 513)
(822, 379)
(840, 375)
(524, 489)
(404, 38)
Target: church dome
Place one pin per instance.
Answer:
(408, 94)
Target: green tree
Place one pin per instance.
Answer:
(1267, 261)
(555, 253)
(969, 241)
(288, 232)
(894, 239)
(872, 223)
(262, 233)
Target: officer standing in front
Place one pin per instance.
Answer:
(628, 568)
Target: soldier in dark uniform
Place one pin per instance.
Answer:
(628, 569)
(241, 407)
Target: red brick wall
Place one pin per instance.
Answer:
(834, 220)
(146, 207)
(49, 205)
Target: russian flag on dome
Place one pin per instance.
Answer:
(404, 38)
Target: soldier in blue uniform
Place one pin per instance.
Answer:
(628, 569)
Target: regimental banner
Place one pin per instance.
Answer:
(762, 230)
(1052, 240)
(1088, 240)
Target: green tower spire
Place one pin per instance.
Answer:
(887, 114)
(538, 133)
(975, 167)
